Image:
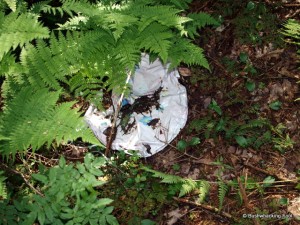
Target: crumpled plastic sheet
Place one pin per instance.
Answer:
(171, 115)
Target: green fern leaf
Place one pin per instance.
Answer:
(203, 190)
(184, 51)
(20, 29)
(3, 190)
(33, 119)
(117, 22)
(292, 29)
(156, 39)
(12, 4)
(223, 188)
(199, 20)
(127, 53)
(166, 178)
(188, 186)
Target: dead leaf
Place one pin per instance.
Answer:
(294, 207)
(174, 215)
(185, 168)
(194, 174)
(185, 72)
(206, 102)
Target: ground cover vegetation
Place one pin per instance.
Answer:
(238, 154)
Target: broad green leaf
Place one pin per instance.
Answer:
(250, 5)
(194, 141)
(108, 210)
(283, 201)
(242, 141)
(182, 145)
(214, 106)
(62, 162)
(40, 177)
(111, 220)
(41, 217)
(104, 202)
(268, 181)
(49, 213)
(250, 86)
(243, 57)
(275, 105)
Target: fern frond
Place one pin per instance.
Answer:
(254, 123)
(118, 21)
(292, 29)
(3, 190)
(203, 190)
(83, 7)
(163, 14)
(184, 51)
(198, 21)
(166, 178)
(223, 188)
(156, 39)
(188, 186)
(12, 4)
(126, 51)
(16, 30)
(45, 8)
(73, 23)
(33, 119)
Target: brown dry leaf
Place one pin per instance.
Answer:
(194, 175)
(174, 215)
(275, 92)
(272, 54)
(185, 72)
(287, 73)
(206, 102)
(185, 168)
(294, 207)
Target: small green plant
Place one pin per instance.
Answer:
(214, 106)
(68, 195)
(182, 145)
(276, 105)
(245, 134)
(136, 193)
(255, 24)
(281, 140)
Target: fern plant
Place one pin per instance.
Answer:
(93, 48)
(186, 185)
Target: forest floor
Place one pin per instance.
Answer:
(245, 119)
(253, 76)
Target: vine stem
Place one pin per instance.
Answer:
(113, 130)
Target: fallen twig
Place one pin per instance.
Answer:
(208, 207)
(295, 181)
